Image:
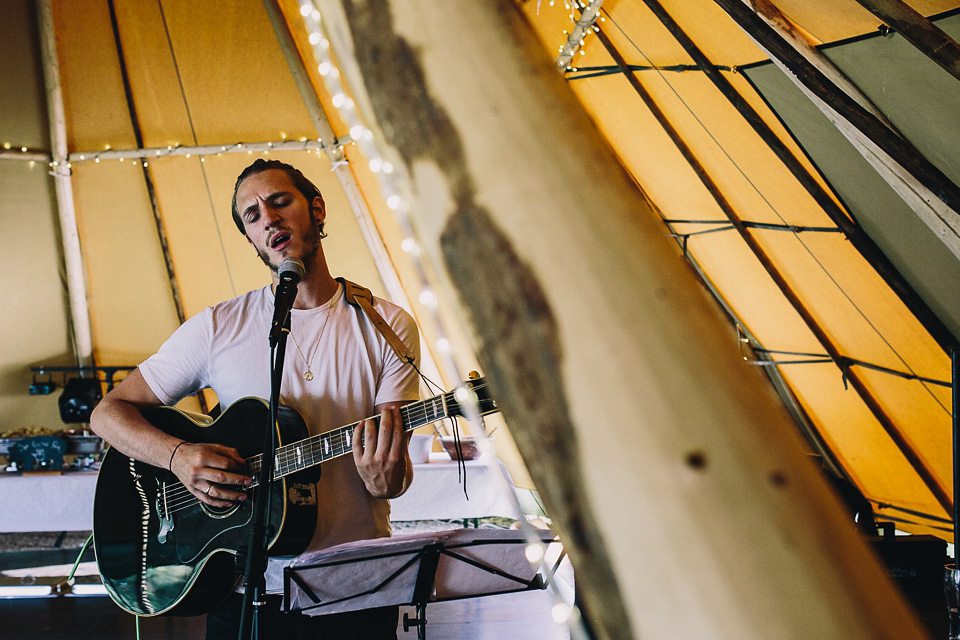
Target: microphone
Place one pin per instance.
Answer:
(290, 273)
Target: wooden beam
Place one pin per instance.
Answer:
(853, 231)
(933, 196)
(927, 37)
(677, 484)
(70, 237)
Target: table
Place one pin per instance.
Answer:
(436, 493)
(47, 501)
(64, 501)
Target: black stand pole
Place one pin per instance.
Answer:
(254, 590)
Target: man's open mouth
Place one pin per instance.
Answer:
(278, 239)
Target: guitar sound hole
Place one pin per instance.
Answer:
(219, 512)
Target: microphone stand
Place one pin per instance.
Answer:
(254, 579)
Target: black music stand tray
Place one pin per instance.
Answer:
(413, 570)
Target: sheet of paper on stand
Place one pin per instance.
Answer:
(388, 571)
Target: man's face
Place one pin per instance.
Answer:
(277, 219)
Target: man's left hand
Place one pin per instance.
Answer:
(381, 454)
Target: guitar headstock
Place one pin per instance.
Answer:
(475, 390)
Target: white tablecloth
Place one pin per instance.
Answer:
(64, 502)
(436, 493)
(47, 502)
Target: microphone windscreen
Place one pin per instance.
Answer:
(292, 269)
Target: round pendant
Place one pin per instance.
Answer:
(308, 376)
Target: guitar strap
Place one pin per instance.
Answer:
(361, 298)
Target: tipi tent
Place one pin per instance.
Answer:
(560, 193)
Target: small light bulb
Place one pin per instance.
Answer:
(324, 68)
(356, 131)
(305, 9)
(375, 165)
(443, 345)
(23, 149)
(387, 168)
(394, 202)
(461, 394)
(428, 298)
(560, 613)
(6, 145)
(409, 245)
(338, 100)
(534, 553)
(314, 38)
(97, 160)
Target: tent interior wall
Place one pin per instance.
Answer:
(855, 364)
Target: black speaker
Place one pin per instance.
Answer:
(79, 397)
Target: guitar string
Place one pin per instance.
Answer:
(178, 497)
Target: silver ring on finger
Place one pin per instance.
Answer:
(208, 489)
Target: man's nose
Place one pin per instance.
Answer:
(270, 215)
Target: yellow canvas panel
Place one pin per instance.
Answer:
(748, 95)
(828, 20)
(35, 318)
(645, 149)
(852, 433)
(713, 31)
(752, 179)
(93, 96)
(131, 308)
(847, 314)
(152, 72)
(922, 414)
(866, 292)
(235, 80)
(196, 241)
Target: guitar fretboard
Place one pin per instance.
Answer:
(314, 450)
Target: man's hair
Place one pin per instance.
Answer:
(303, 185)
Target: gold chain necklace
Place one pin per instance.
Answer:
(308, 376)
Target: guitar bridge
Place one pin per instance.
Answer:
(163, 514)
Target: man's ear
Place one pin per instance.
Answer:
(319, 209)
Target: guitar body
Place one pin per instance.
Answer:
(162, 551)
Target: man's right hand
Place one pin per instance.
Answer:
(211, 472)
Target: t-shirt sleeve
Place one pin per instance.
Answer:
(179, 368)
(398, 380)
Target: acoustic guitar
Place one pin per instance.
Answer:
(160, 550)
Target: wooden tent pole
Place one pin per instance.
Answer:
(73, 257)
(933, 196)
(851, 230)
(912, 456)
(673, 475)
(927, 37)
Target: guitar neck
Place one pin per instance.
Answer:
(315, 450)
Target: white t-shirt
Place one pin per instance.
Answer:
(226, 348)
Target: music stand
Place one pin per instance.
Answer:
(413, 570)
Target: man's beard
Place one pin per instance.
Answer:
(313, 244)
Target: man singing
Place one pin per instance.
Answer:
(340, 369)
